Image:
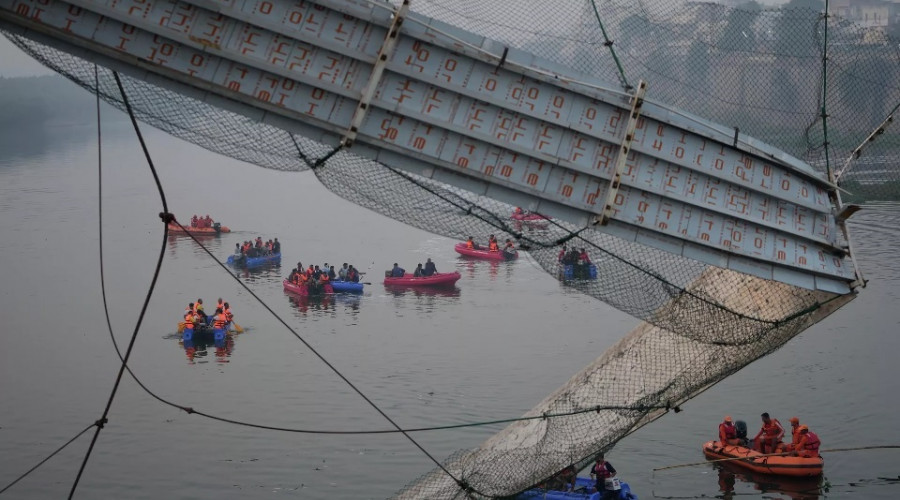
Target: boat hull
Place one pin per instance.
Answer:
(346, 287)
(484, 254)
(303, 291)
(583, 491)
(198, 231)
(757, 462)
(579, 272)
(435, 280)
(529, 217)
(251, 262)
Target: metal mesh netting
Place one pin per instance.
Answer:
(758, 69)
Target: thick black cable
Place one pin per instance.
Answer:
(42, 462)
(137, 326)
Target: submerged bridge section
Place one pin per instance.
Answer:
(434, 100)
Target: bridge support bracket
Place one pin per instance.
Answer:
(637, 101)
(384, 54)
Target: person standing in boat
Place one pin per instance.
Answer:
(229, 315)
(808, 447)
(605, 476)
(769, 436)
(397, 271)
(430, 269)
(342, 272)
(331, 274)
(728, 433)
(276, 246)
(419, 272)
(194, 221)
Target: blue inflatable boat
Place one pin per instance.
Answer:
(346, 287)
(584, 490)
(251, 262)
(579, 272)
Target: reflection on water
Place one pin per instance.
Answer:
(494, 269)
(197, 347)
(419, 292)
(793, 488)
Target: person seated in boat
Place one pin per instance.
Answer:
(563, 480)
(808, 447)
(310, 271)
(795, 436)
(254, 252)
(198, 308)
(324, 279)
(194, 221)
(492, 245)
(219, 320)
(418, 273)
(583, 257)
(276, 246)
(470, 244)
(604, 475)
(397, 271)
(519, 211)
(562, 254)
(769, 435)
(229, 315)
(508, 246)
(353, 275)
(728, 433)
(430, 269)
(220, 304)
(342, 272)
(331, 274)
(190, 320)
(317, 273)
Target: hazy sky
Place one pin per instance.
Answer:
(14, 62)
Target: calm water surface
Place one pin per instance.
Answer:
(492, 348)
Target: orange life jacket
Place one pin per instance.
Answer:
(189, 320)
(228, 315)
(493, 247)
(772, 428)
(219, 321)
(198, 308)
(727, 432)
(323, 277)
(470, 245)
(809, 444)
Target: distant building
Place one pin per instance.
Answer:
(871, 14)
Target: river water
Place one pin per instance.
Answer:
(493, 348)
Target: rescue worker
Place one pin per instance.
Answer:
(276, 246)
(418, 273)
(353, 275)
(509, 247)
(808, 447)
(769, 435)
(562, 254)
(229, 316)
(605, 476)
(728, 433)
(397, 271)
(194, 221)
(189, 321)
(331, 274)
(470, 244)
(492, 244)
(220, 304)
(342, 272)
(430, 268)
(519, 211)
(198, 310)
(795, 435)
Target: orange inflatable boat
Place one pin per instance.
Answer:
(765, 464)
(216, 229)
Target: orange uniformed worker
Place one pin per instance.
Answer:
(728, 433)
(808, 446)
(769, 436)
(795, 435)
(470, 244)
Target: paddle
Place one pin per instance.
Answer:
(238, 328)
